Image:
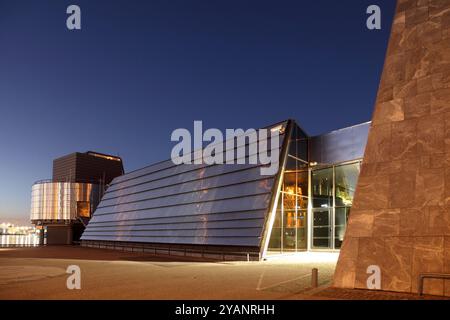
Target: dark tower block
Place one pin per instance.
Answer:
(400, 220)
(89, 167)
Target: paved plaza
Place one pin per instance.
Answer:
(40, 273)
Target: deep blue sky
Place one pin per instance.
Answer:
(140, 69)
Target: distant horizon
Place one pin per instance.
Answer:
(17, 222)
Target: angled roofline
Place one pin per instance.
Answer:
(192, 152)
(340, 129)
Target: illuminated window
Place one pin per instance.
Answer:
(83, 209)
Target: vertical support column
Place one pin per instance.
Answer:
(333, 211)
(309, 211)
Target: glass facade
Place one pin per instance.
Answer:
(322, 207)
(314, 201)
(289, 232)
(346, 177)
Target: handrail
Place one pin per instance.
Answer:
(80, 181)
(145, 248)
(423, 276)
(43, 181)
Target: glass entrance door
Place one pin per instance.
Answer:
(321, 228)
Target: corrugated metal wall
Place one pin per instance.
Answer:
(185, 204)
(58, 200)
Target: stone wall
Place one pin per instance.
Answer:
(400, 220)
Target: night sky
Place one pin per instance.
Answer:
(140, 69)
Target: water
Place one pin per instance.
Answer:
(19, 240)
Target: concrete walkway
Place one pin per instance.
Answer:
(40, 273)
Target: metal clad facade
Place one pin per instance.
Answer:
(58, 200)
(340, 146)
(222, 205)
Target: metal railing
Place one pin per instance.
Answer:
(424, 276)
(86, 181)
(174, 251)
(43, 181)
(15, 245)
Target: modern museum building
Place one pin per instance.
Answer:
(232, 211)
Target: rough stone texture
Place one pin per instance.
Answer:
(400, 220)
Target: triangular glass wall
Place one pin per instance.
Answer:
(287, 219)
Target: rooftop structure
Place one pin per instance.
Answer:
(61, 207)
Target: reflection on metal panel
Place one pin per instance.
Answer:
(250, 241)
(189, 171)
(248, 223)
(187, 218)
(180, 184)
(194, 197)
(62, 200)
(185, 204)
(340, 146)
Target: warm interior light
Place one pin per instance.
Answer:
(304, 257)
(104, 156)
(290, 190)
(279, 128)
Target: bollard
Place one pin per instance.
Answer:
(314, 278)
